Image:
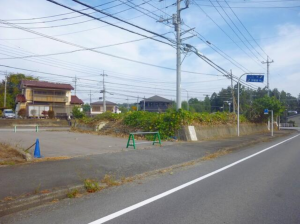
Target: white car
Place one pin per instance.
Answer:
(8, 113)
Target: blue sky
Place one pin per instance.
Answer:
(276, 31)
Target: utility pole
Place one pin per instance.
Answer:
(232, 91)
(176, 19)
(75, 80)
(103, 91)
(144, 102)
(137, 104)
(90, 94)
(268, 65)
(127, 105)
(5, 84)
(178, 53)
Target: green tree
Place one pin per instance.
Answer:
(86, 108)
(77, 113)
(256, 112)
(12, 88)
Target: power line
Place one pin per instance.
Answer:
(57, 14)
(232, 27)
(224, 32)
(163, 37)
(245, 28)
(31, 38)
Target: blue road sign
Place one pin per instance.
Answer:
(266, 111)
(255, 78)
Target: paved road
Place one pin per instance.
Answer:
(259, 189)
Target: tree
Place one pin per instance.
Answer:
(13, 88)
(77, 113)
(256, 112)
(86, 108)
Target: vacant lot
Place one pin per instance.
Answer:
(64, 143)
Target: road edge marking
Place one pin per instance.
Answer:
(166, 193)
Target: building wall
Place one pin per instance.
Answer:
(98, 109)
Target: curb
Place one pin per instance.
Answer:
(17, 205)
(28, 202)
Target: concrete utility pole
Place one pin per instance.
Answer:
(232, 91)
(177, 24)
(268, 65)
(5, 84)
(176, 19)
(103, 91)
(75, 80)
(90, 94)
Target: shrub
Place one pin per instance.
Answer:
(45, 113)
(77, 113)
(22, 113)
(51, 114)
(0, 113)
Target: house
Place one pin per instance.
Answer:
(40, 96)
(97, 107)
(155, 104)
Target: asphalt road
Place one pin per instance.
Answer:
(259, 184)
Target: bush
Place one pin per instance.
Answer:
(22, 113)
(51, 114)
(0, 113)
(77, 113)
(45, 113)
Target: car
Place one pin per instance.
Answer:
(8, 113)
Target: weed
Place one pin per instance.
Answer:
(110, 181)
(37, 189)
(91, 186)
(215, 155)
(72, 194)
(8, 163)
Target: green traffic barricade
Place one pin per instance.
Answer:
(131, 138)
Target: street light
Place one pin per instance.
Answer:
(238, 109)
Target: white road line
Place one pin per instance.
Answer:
(148, 201)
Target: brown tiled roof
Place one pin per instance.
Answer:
(76, 100)
(48, 85)
(20, 98)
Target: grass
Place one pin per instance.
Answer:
(110, 181)
(91, 185)
(9, 155)
(72, 194)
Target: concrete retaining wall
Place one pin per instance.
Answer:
(87, 127)
(40, 122)
(220, 131)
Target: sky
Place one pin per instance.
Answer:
(236, 35)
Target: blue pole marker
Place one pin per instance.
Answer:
(37, 152)
(266, 111)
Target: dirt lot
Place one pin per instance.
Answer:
(65, 143)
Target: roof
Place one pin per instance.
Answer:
(101, 103)
(20, 98)
(76, 100)
(47, 85)
(157, 99)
